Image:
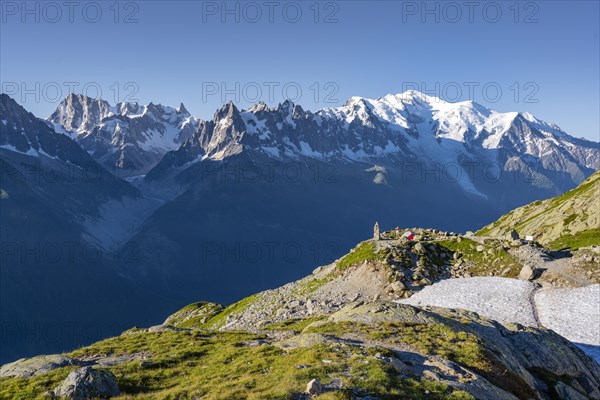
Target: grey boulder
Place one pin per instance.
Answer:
(527, 273)
(28, 367)
(87, 383)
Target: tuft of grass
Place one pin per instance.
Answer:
(32, 388)
(569, 219)
(363, 252)
(194, 315)
(310, 286)
(220, 319)
(481, 263)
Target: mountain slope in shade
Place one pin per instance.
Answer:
(255, 231)
(126, 138)
(22, 132)
(67, 178)
(59, 170)
(57, 286)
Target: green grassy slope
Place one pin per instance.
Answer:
(570, 220)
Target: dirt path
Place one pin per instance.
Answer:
(549, 266)
(562, 267)
(534, 306)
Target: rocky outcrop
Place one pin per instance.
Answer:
(28, 367)
(527, 273)
(521, 361)
(88, 383)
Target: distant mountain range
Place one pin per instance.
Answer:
(250, 199)
(408, 127)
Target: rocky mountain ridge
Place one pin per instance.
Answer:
(126, 138)
(53, 195)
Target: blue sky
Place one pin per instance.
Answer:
(543, 56)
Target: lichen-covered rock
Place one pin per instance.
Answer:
(28, 367)
(88, 383)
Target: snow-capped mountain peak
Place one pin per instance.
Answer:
(126, 136)
(182, 110)
(128, 109)
(258, 107)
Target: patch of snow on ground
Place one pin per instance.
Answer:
(573, 313)
(501, 299)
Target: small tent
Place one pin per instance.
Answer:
(409, 235)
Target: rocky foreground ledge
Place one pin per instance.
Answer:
(339, 333)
